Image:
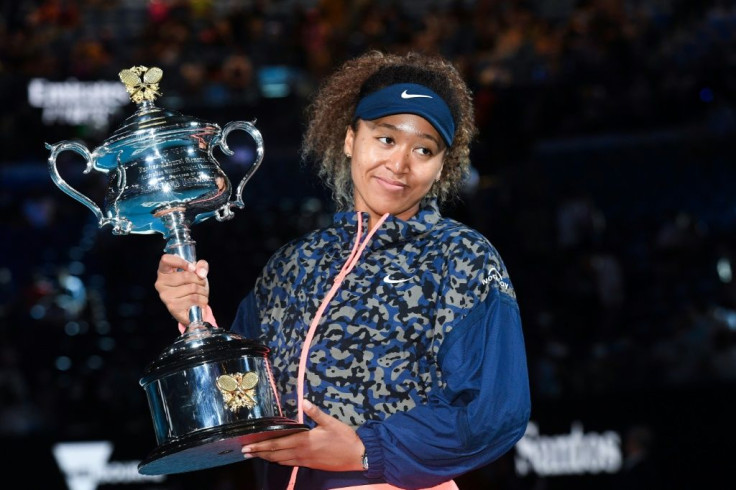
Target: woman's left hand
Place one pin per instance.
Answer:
(330, 446)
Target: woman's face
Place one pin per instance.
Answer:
(395, 161)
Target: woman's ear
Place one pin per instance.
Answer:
(349, 139)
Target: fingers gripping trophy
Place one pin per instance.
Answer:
(211, 391)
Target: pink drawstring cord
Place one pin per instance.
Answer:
(357, 250)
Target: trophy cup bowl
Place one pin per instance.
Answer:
(211, 391)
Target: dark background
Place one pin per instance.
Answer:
(603, 173)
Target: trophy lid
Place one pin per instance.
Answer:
(200, 345)
(150, 122)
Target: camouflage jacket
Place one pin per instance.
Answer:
(421, 348)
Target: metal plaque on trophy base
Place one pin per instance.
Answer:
(211, 391)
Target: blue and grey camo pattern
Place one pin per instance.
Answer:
(375, 350)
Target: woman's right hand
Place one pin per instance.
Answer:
(181, 285)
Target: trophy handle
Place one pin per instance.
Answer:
(82, 150)
(248, 127)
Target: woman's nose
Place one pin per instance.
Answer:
(399, 161)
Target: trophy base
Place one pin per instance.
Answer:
(213, 447)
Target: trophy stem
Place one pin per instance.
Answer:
(179, 242)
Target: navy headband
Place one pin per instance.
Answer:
(408, 98)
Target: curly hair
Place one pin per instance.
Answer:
(331, 113)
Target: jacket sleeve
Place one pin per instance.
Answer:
(479, 414)
(247, 322)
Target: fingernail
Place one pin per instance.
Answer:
(307, 404)
(202, 273)
(245, 450)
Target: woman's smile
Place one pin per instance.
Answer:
(390, 184)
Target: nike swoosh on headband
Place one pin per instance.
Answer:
(405, 95)
(390, 280)
(399, 99)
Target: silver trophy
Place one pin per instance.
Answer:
(211, 391)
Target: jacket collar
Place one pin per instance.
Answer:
(393, 229)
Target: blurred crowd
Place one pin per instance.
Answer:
(601, 173)
(564, 66)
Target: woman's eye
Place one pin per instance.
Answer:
(386, 140)
(425, 151)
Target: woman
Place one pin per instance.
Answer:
(394, 330)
